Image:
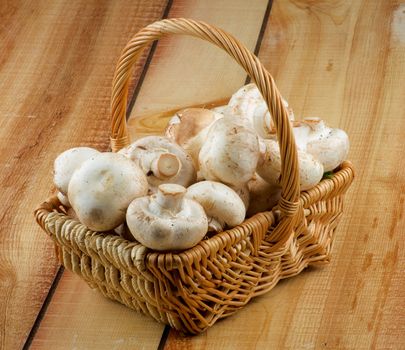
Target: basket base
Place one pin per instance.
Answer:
(193, 289)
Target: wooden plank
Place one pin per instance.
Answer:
(330, 61)
(104, 324)
(186, 71)
(56, 65)
(64, 321)
(353, 302)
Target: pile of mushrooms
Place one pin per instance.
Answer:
(211, 170)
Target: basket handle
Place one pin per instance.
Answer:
(289, 202)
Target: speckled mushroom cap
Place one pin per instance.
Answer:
(230, 153)
(248, 103)
(269, 165)
(330, 146)
(102, 188)
(223, 206)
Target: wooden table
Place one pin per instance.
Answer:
(341, 60)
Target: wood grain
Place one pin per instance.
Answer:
(330, 61)
(65, 318)
(340, 60)
(56, 65)
(117, 327)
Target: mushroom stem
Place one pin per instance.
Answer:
(170, 196)
(162, 161)
(165, 165)
(215, 225)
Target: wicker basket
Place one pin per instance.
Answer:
(191, 290)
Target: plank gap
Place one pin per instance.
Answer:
(43, 309)
(147, 63)
(43, 312)
(261, 33)
(168, 332)
(163, 340)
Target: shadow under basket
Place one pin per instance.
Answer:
(192, 289)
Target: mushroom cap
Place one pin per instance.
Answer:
(230, 153)
(311, 170)
(269, 166)
(302, 134)
(219, 201)
(328, 145)
(243, 192)
(189, 128)
(102, 188)
(67, 162)
(249, 104)
(143, 149)
(332, 150)
(166, 220)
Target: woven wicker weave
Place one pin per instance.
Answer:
(191, 290)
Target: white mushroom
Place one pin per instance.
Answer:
(222, 205)
(66, 164)
(243, 192)
(189, 128)
(162, 161)
(249, 104)
(63, 199)
(269, 166)
(221, 109)
(166, 220)
(230, 153)
(263, 196)
(102, 188)
(329, 146)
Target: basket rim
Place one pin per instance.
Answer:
(327, 188)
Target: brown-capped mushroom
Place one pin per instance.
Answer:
(263, 196)
(189, 128)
